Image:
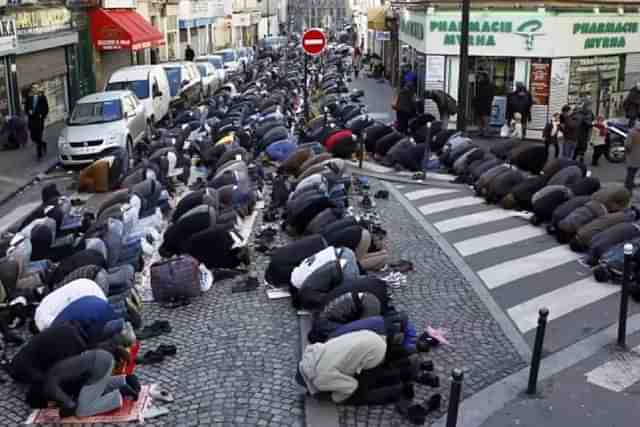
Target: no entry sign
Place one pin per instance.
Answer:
(314, 41)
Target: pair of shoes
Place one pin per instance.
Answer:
(158, 355)
(417, 414)
(251, 284)
(156, 329)
(382, 194)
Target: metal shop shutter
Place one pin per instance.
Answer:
(39, 66)
(112, 61)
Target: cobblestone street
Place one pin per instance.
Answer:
(237, 353)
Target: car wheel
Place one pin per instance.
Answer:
(130, 152)
(148, 131)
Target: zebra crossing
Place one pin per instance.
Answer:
(523, 268)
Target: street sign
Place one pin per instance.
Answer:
(314, 41)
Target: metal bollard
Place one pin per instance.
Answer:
(537, 351)
(454, 399)
(624, 296)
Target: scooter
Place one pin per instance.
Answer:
(616, 136)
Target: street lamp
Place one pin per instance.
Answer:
(463, 77)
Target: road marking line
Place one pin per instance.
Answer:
(16, 215)
(508, 271)
(561, 301)
(618, 374)
(495, 240)
(400, 186)
(475, 219)
(429, 192)
(431, 208)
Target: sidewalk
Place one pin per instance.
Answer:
(596, 392)
(19, 167)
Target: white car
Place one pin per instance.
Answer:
(230, 60)
(217, 63)
(100, 122)
(210, 80)
(149, 83)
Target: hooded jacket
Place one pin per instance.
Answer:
(603, 241)
(565, 209)
(585, 234)
(615, 197)
(582, 216)
(54, 303)
(332, 366)
(566, 176)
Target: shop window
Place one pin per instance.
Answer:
(600, 79)
(4, 89)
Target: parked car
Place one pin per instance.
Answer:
(185, 82)
(217, 63)
(209, 76)
(150, 84)
(100, 122)
(230, 59)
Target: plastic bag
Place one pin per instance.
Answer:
(505, 131)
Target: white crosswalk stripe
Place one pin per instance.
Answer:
(495, 240)
(428, 192)
(435, 207)
(475, 219)
(546, 275)
(561, 301)
(509, 271)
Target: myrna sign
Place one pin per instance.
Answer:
(484, 33)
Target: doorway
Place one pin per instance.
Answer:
(500, 70)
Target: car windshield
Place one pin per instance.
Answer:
(227, 56)
(92, 113)
(139, 87)
(203, 70)
(174, 75)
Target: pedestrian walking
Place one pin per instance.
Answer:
(483, 102)
(189, 53)
(447, 106)
(520, 101)
(405, 106)
(37, 109)
(631, 104)
(599, 140)
(409, 75)
(632, 148)
(584, 121)
(550, 135)
(357, 58)
(568, 127)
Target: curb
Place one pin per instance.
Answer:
(51, 166)
(400, 180)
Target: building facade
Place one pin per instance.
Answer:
(561, 57)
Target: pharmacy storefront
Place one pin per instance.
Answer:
(561, 58)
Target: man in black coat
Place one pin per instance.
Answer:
(631, 104)
(189, 54)
(520, 101)
(37, 108)
(484, 101)
(447, 106)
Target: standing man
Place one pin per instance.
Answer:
(484, 101)
(189, 54)
(447, 106)
(631, 104)
(405, 106)
(520, 101)
(584, 119)
(37, 109)
(632, 148)
(357, 57)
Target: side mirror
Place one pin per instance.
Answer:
(185, 82)
(157, 94)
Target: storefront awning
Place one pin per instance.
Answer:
(122, 29)
(376, 19)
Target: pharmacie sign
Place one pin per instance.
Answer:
(605, 35)
(488, 32)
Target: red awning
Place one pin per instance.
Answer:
(122, 29)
